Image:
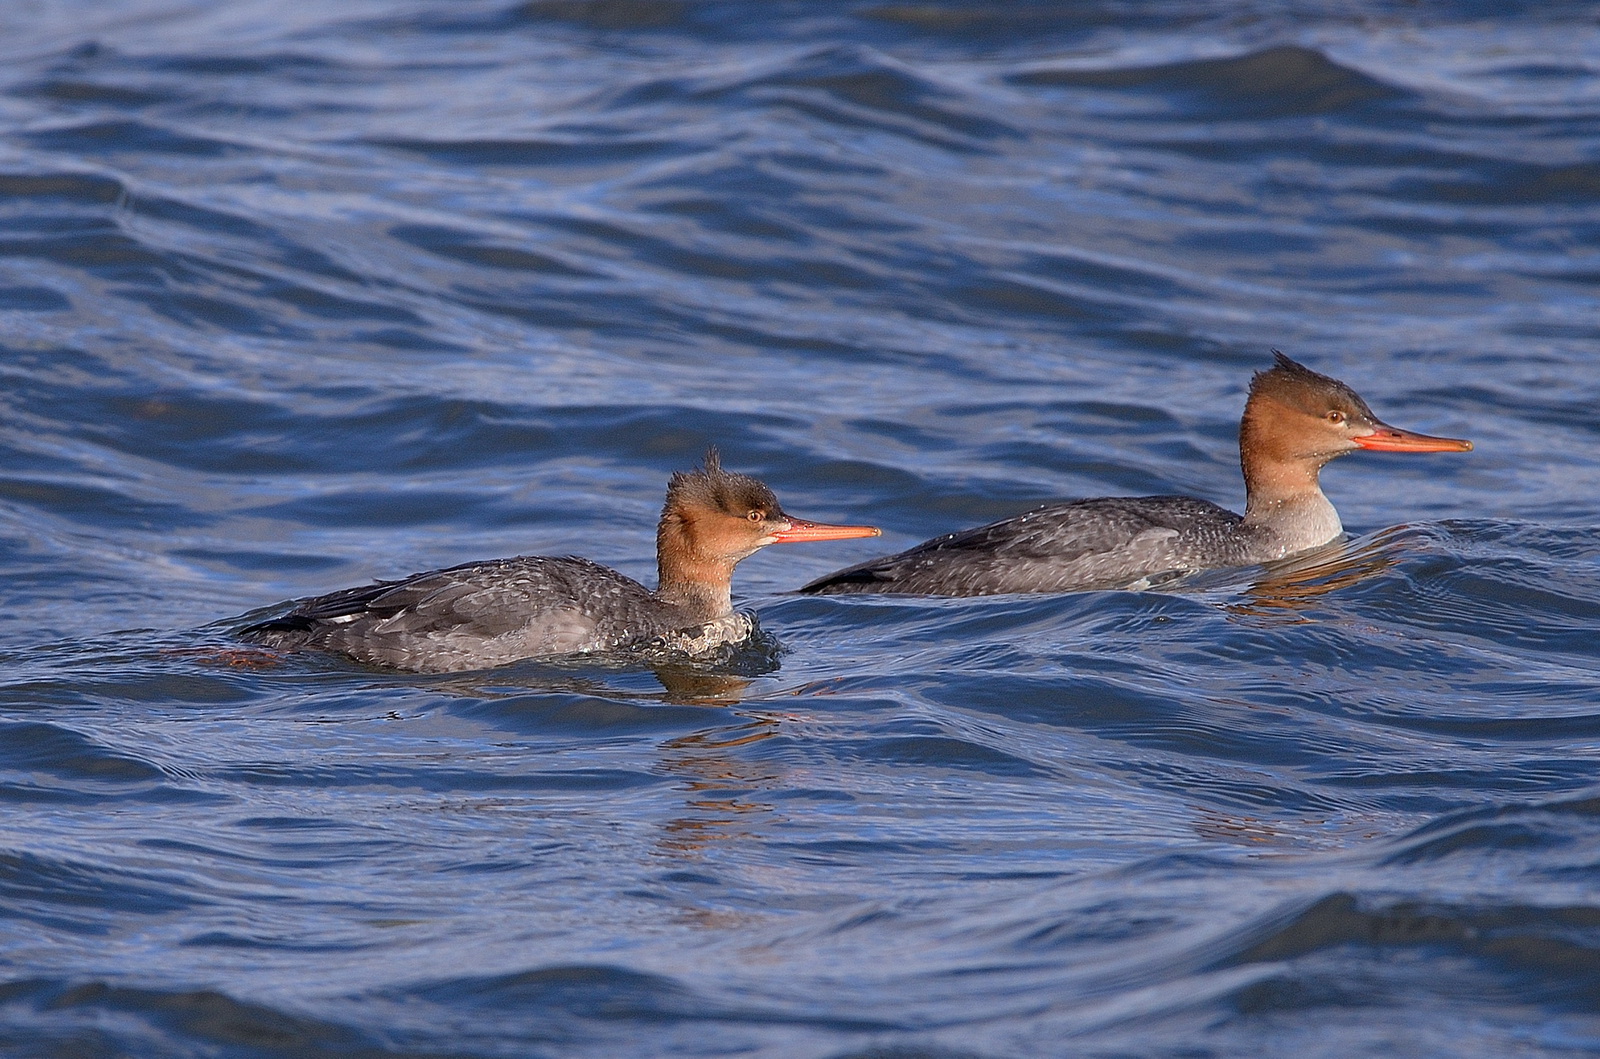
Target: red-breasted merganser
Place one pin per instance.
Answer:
(1295, 421)
(490, 613)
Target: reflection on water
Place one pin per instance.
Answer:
(1244, 830)
(1296, 584)
(701, 687)
(721, 786)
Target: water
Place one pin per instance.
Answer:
(294, 296)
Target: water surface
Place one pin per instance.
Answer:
(295, 297)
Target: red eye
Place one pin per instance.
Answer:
(756, 516)
(1336, 417)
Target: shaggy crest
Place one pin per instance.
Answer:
(711, 487)
(1291, 383)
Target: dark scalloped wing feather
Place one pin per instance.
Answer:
(309, 612)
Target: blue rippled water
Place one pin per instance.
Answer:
(295, 296)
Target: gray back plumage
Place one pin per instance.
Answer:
(477, 615)
(1109, 542)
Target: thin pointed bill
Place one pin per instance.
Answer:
(1386, 438)
(801, 530)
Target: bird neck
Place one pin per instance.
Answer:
(1287, 502)
(701, 585)
(1283, 487)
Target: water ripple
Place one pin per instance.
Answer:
(295, 298)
